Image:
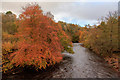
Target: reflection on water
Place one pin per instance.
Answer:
(82, 64)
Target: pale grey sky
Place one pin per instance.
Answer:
(73, 12)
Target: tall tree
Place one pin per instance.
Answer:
(38, 43)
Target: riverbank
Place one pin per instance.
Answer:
(83, 64)
(31, 73)
(111, 60)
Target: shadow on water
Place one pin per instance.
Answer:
(49, 72)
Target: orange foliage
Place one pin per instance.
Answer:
(38, 44)
(113, 61)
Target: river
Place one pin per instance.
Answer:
(82, 64)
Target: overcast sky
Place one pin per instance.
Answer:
(78, 12)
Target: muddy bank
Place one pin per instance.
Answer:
(41, 74)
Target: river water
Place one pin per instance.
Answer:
(82, 64)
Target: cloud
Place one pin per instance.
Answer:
(81, 12)
(74, 12)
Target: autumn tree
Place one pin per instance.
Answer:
(39, 40)
(38, 43)
(8, 22)
(72, 30)
(9, 28)
(102, 39)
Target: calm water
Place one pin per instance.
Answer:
(82, 64)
